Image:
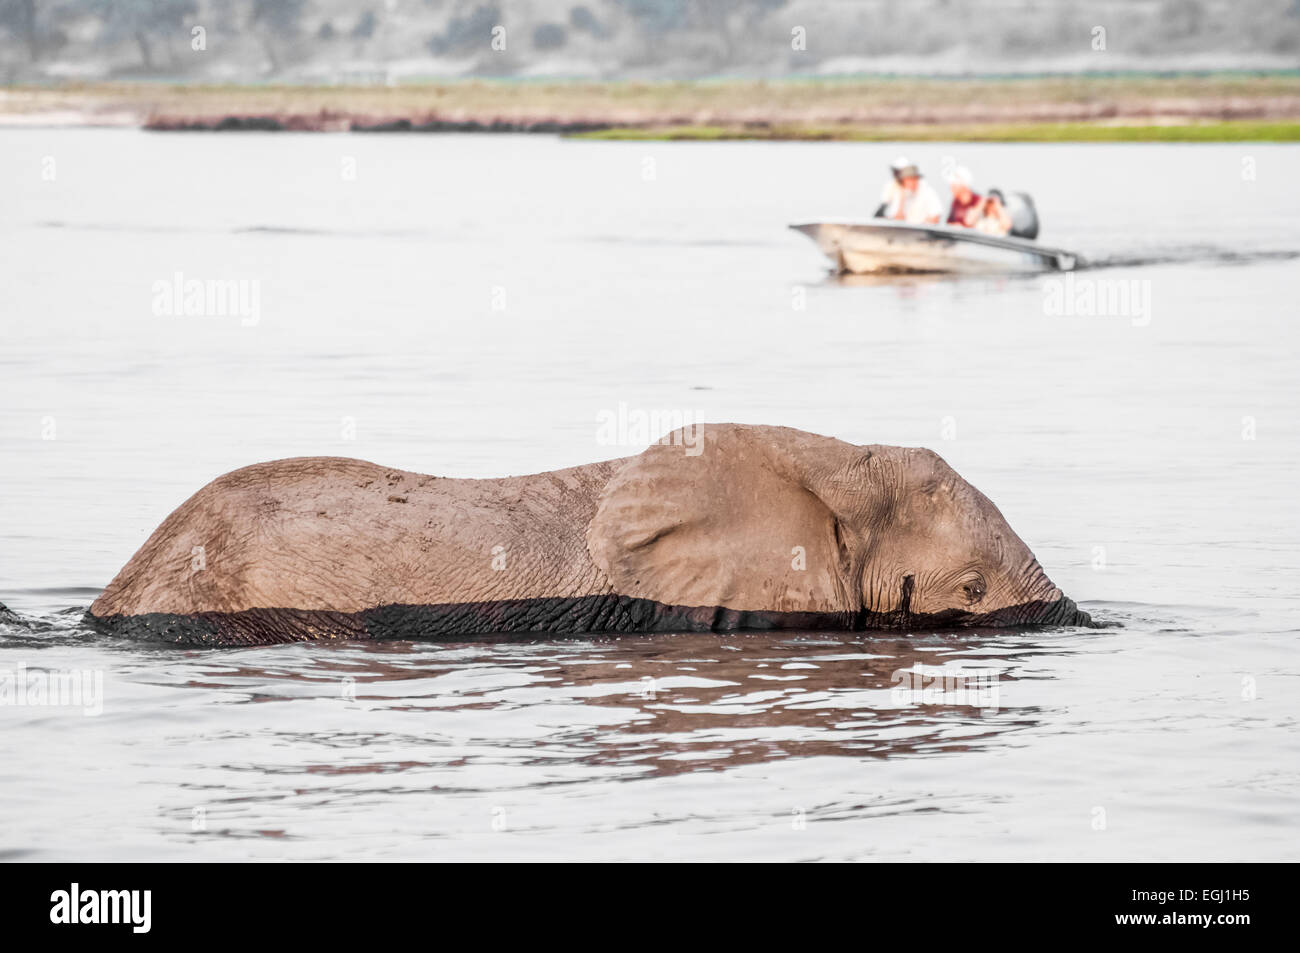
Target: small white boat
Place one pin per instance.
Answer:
(887, 247)
(882, 246)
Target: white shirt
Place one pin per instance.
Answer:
(919, 207)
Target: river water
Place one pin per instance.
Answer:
(478, 306)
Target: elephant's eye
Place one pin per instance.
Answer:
(973, 589)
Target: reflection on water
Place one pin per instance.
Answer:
(265, 738)
(823, 746)
(660, 704)
(679, 703)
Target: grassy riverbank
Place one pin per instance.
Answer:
(1231, 131)
(1190, 108)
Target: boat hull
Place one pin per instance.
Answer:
(895, 248)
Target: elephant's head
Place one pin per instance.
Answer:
(771, 519)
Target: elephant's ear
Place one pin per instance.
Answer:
(727, 515)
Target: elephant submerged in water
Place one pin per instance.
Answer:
(720, 527)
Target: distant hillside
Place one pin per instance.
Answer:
(388, 41)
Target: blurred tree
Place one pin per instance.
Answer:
(365, 27)
(1182, 18)
(549, 36)
(19, 18)
(654, 37)
(655, 19)
(467, 32)
(719, 17)
(657, 16)
(144, 22)
(583, 20)
(279, 20)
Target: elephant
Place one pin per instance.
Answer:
(716, 527)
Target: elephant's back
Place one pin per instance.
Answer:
(340, 534)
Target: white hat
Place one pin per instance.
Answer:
(960, 176)
(902, 167)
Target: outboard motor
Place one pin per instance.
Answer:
(1024, 217)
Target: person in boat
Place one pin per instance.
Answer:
(967, 206)
(906, 198)
(994, 217)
